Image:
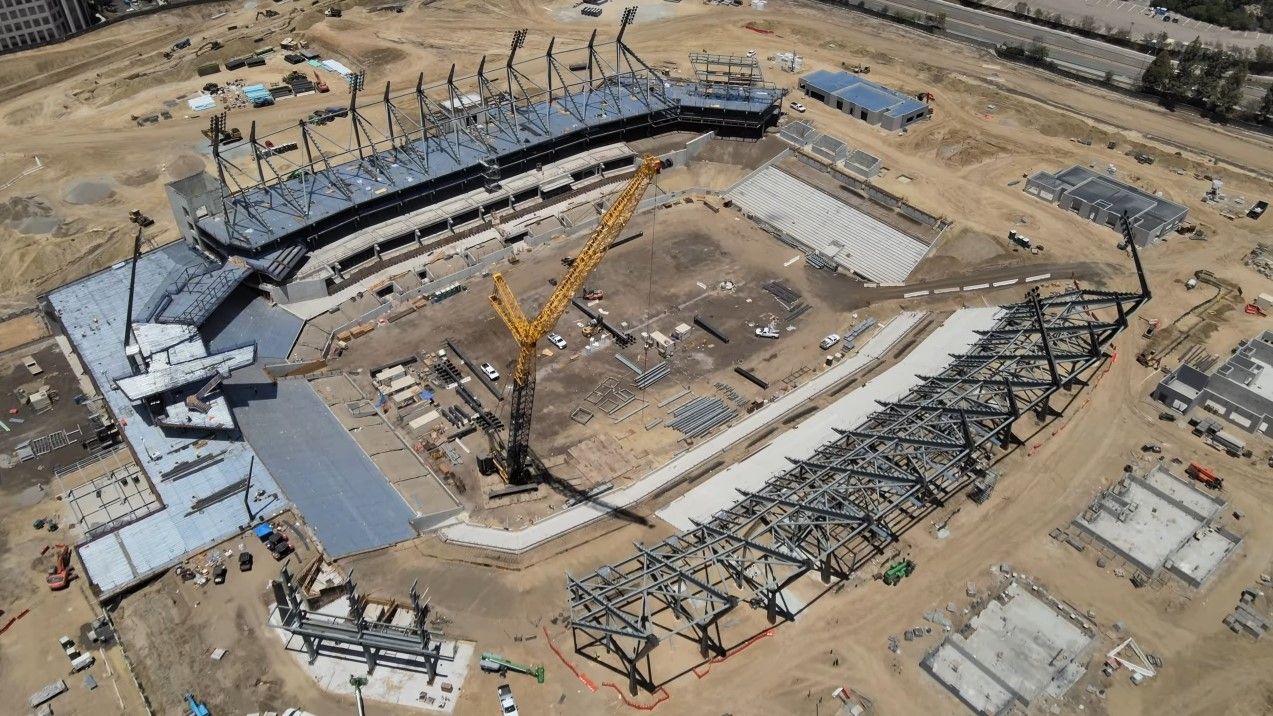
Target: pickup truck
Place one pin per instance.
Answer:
(506, 703)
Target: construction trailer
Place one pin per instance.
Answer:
(840, 508)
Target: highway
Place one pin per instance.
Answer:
(984, 27)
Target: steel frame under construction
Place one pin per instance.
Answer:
(837, 509)
(336, 636)
(411, 149)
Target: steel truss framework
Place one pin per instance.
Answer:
(840, 507)
(412, 647)
(506, 118)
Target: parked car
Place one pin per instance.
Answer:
(767, 332)
(490, 371)
(218, 574)
(245, 561)
(829, 341)
(797, 106)
(557, 340)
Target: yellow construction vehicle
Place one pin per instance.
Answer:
(513, 460)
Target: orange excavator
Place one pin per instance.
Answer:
(1205, 476)
(59, 576)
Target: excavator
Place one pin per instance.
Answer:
(513, 460)
(59, 576)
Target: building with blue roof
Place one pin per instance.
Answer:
(868, 101)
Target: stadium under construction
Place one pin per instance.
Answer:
(266, 210)
(846, 504)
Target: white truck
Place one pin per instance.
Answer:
(506, 703)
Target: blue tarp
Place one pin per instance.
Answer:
(263, 530)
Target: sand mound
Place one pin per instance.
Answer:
(184, 165)
(29, 215)
(139, 177)
(88, 191)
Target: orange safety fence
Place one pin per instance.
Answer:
(663, 696)
(592, 686)
(1112, 358)
(735, 650)
(13, 620)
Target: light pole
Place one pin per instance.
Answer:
(358, 682)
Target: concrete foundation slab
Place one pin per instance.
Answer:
(1017, 649)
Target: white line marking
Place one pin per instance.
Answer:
(1040, 277)
(1009, 282)
(976, 287)
(792, 260)
(913, 294)
(952, 289)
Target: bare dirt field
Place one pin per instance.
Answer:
(75, 107)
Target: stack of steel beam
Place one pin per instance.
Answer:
(652, 376)
(700, 415)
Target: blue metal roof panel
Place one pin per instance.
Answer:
(92, 312)
(829, 82)
(344, 497)
(907, 106)
(868, 97)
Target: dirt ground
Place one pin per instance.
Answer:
(994, 122)
(669, 275)
(30, 656)
(72, 105)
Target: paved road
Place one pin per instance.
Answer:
(1134, 15)
(1079, 53)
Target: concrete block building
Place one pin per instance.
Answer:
(27, 23)
(1240, 390)
(1103, 199)
(868, 101)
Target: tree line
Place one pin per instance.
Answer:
(1233, 14)
(1205, 77)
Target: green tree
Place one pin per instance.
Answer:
(1264, 112)
(1228, 94)
(1087, 23)
(1264, 54)
(1209, 79)
(1157, 76)
(1185, 77)
(1021, 8)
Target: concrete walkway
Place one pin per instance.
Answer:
(928, 358)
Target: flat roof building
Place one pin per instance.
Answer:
(1240, 390)
(1103, 199)
(28, 23)
(868, 101)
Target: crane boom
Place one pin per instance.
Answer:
(527, 331)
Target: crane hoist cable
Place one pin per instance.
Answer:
(526, 331)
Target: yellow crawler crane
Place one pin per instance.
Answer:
(514, 462)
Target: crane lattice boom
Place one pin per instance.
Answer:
(527, 331)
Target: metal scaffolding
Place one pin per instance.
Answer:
(835, 510)
(376, 641)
